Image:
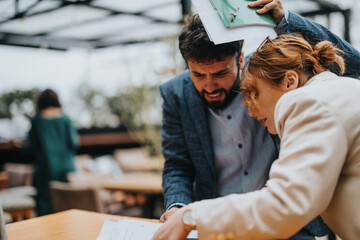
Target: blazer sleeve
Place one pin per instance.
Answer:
(315, 33)
(313, 147)
(178, 172)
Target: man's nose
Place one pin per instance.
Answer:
(211, 85)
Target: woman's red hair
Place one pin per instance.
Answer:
(288, 52)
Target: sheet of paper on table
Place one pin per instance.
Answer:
(132, 230)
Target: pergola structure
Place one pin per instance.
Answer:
(94, 24)
(323, 7)
(88, 23)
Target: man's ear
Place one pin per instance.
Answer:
(241, 60)
(291, 81)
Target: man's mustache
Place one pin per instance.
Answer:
(213, 92)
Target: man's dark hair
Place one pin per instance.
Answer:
(194, 43)
(48, 98)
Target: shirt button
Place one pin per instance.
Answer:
(229, 117)
(246, 173)
(240, 145)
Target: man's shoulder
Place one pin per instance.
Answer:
(177, 83)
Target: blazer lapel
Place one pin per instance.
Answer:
(198, 113)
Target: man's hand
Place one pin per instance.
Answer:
(274, 5)
(173, 228)
(166, 215)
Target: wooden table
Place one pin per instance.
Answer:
(68, 225)
(146, 183)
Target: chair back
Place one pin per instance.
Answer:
(67, 196)
(19, 174)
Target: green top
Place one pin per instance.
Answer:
(53, 142)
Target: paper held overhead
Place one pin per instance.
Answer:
(237, 13)
(219, 33)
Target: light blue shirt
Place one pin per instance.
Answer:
(243, 149)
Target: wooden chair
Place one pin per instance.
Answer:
(17, 198)
(19, 174)
(67, 196)
(18, 207)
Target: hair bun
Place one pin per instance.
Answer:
(325, 53)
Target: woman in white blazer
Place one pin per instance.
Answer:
(317, 116)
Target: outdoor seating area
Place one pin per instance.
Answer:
(17, 193)
(179, 119)
(112, 187)
(105, 185)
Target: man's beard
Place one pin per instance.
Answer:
(229, 95)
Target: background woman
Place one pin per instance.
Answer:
(317, 116)
(53, 141)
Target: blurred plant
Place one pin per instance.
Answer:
(139, 110)
(18, 102)
(92, 105)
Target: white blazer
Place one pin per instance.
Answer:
(317, 173)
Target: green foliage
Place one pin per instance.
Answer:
(93, 103)
(139, 110)
(18, 101)
(133, 105)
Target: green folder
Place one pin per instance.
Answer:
(237, 13)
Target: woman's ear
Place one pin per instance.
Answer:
(291, 80)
